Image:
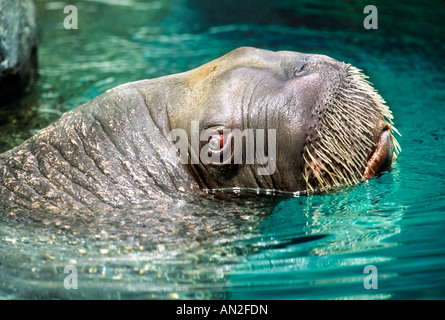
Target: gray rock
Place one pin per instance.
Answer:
(18, 49)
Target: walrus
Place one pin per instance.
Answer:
(332, 130)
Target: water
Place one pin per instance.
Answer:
(241, 245)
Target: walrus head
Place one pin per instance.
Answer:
(332, 128)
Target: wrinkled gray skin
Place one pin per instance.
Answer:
(18, 48)
(113, 150)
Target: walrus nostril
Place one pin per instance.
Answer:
(300, 64)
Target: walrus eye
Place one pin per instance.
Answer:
(216, 142)
(216, 148)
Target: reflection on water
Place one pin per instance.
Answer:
(355, 224)
(240, 245)
(211, 246)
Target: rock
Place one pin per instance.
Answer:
(18, 49)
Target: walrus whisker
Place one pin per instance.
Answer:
(343, 137)
(306, 176)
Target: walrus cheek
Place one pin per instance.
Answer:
(381, 158)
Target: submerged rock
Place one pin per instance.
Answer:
(18, 49)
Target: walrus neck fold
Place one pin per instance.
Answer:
(109, 152)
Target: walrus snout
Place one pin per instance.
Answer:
(352, 138)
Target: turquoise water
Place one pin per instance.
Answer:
(242, 246)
